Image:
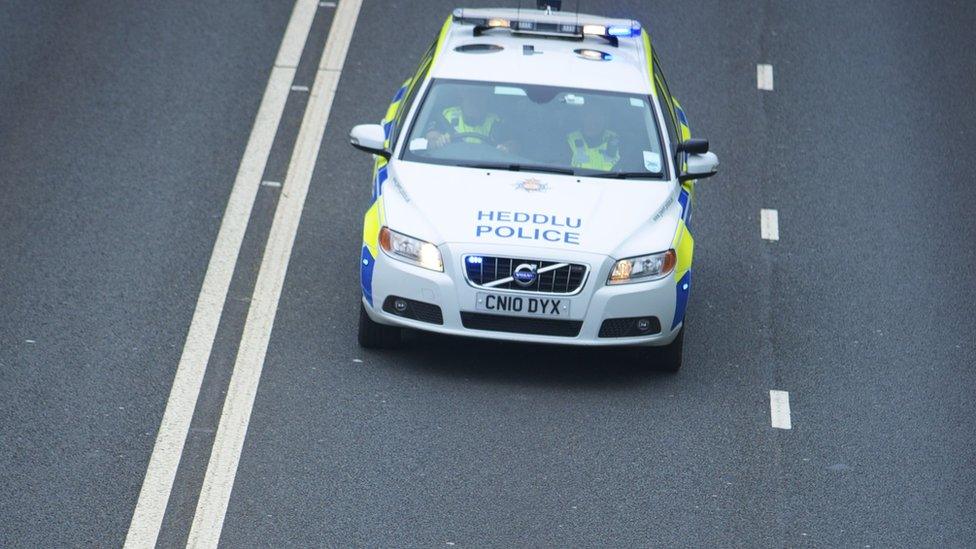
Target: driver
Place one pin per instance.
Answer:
(595, 147)
(470, 120)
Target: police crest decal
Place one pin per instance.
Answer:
(532, 185)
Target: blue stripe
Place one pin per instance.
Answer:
(681, 300)
(366, 275)
(399, 94)
(683, 200)
(387, 129)
(681, 116)
(381, 176)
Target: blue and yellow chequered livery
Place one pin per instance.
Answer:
(683, 243)
(373, 220)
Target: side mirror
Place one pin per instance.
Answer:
(699, 166)
(369, 138)
(693, 146)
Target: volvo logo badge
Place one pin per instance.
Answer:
(524, 275)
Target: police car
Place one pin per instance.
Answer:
(533, 181)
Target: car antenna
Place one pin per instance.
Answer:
(548, 6)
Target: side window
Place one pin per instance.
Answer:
(664, 94)
(659, 74)
(668, 113)
(411, 95)
(662, 86)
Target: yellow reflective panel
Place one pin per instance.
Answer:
(441, 37)
(394, 107)
(649, 55)
(371, 226)
(391, 111)
(684, 247)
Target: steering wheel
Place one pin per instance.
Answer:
(483, 139)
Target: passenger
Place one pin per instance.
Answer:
(595, 147)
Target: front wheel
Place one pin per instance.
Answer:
(668, 358)
(373, 335)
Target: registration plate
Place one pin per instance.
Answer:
(556, 307)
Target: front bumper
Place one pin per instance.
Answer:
(595, 303)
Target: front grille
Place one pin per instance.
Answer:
(521, 325)
(567, 279)
(629, 327)
(414, 310)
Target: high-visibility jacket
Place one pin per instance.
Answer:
(455, 118)
(602, 156)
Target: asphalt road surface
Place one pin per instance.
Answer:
(124, 136)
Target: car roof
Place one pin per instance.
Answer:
(554, 61)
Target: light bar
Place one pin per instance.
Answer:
(484, 20)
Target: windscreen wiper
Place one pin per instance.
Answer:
(519, 167)
(621, 175)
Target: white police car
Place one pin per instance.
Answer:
(533, 182)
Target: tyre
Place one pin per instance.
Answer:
(669, 356)
(373, 335)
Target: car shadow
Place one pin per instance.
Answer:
(525, 363)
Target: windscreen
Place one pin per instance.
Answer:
(537, 128)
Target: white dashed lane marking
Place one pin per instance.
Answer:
(764, 77)
(779, 409)
(769, 224)
(275, 184)
(299, 89)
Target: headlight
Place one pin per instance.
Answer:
(643, 268)
(412, 250)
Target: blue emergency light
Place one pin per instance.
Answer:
(619, 30)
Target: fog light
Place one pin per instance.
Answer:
(643, 324)
(400, 305)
